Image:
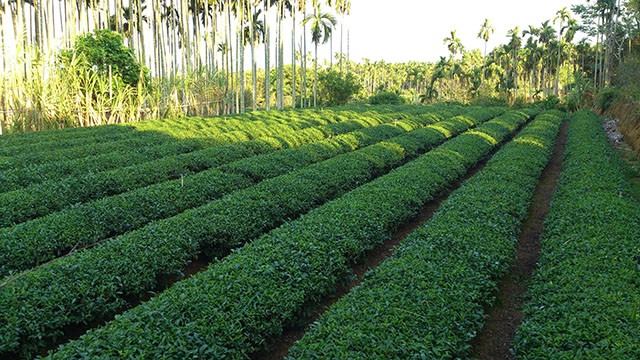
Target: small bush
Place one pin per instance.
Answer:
(606, 98)
(336, 89)
(489, 101)
(386, 98)
(103, 49)
(549, 103)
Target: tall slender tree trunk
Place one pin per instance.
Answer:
(197, 61)
(267, 65)
(230, 59)
(348, 50)
(293, 56)
(254, 67)
(37, 24)
(341, 40)
(213, 31)
(241, 58)
(3, 88)
(331, 53)
(315, 77)
(280, 59)
(303, 52)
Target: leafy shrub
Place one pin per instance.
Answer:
(386, 98)
(335, 88)
(489, 101)
(549, 103)
(103, 49)
(606, 98)
(580, 95)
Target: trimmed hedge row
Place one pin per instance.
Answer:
(34, 242)
(584, 299)
(281, 162)
(426, 301)
(98, 282)
(17, 178)
(60, 140)
(13, 144)
(17, 145)
(230, 309)
(211, 133)
(37, 157)
(214, 131)
(50, 196)
(36, 137)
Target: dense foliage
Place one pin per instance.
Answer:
(220, 233)
(583, 299)
(386, 97)
(251, 294)
(107, 276)
(336, 88)
(28, 244)
(104, 52)
(427, 300)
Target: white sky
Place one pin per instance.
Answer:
(405, 30)
(413, 30)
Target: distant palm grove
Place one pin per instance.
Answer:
(91, 62)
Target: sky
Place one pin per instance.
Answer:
(413, 30)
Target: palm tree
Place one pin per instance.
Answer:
(561, 16)
(267, 56)
(485, 33)
(344, 8)
(454, 44)
(253, 32)
(303, 51)
(547, 36)
(322, 25)
(294, 10)
(515, 43)
(282, 5)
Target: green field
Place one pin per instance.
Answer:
(210, 237)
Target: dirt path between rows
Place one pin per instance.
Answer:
(496, 337)
(280, 346)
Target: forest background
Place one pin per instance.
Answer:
(91, 62)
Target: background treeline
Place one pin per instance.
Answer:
(191, 56)
(170, 58)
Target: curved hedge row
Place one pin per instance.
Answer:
(37, 157)
(232, 307)
(71, 140)
(210, 133)
(34, 242)
(50, 196)
(64, 135)
(426, 301)
(215, 131)
(58, 139)
(17, 178)
(97, 283)
(584, 299)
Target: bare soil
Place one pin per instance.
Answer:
(496, 337)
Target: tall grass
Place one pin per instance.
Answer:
(39, 93)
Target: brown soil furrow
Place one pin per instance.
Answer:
(496, 337)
